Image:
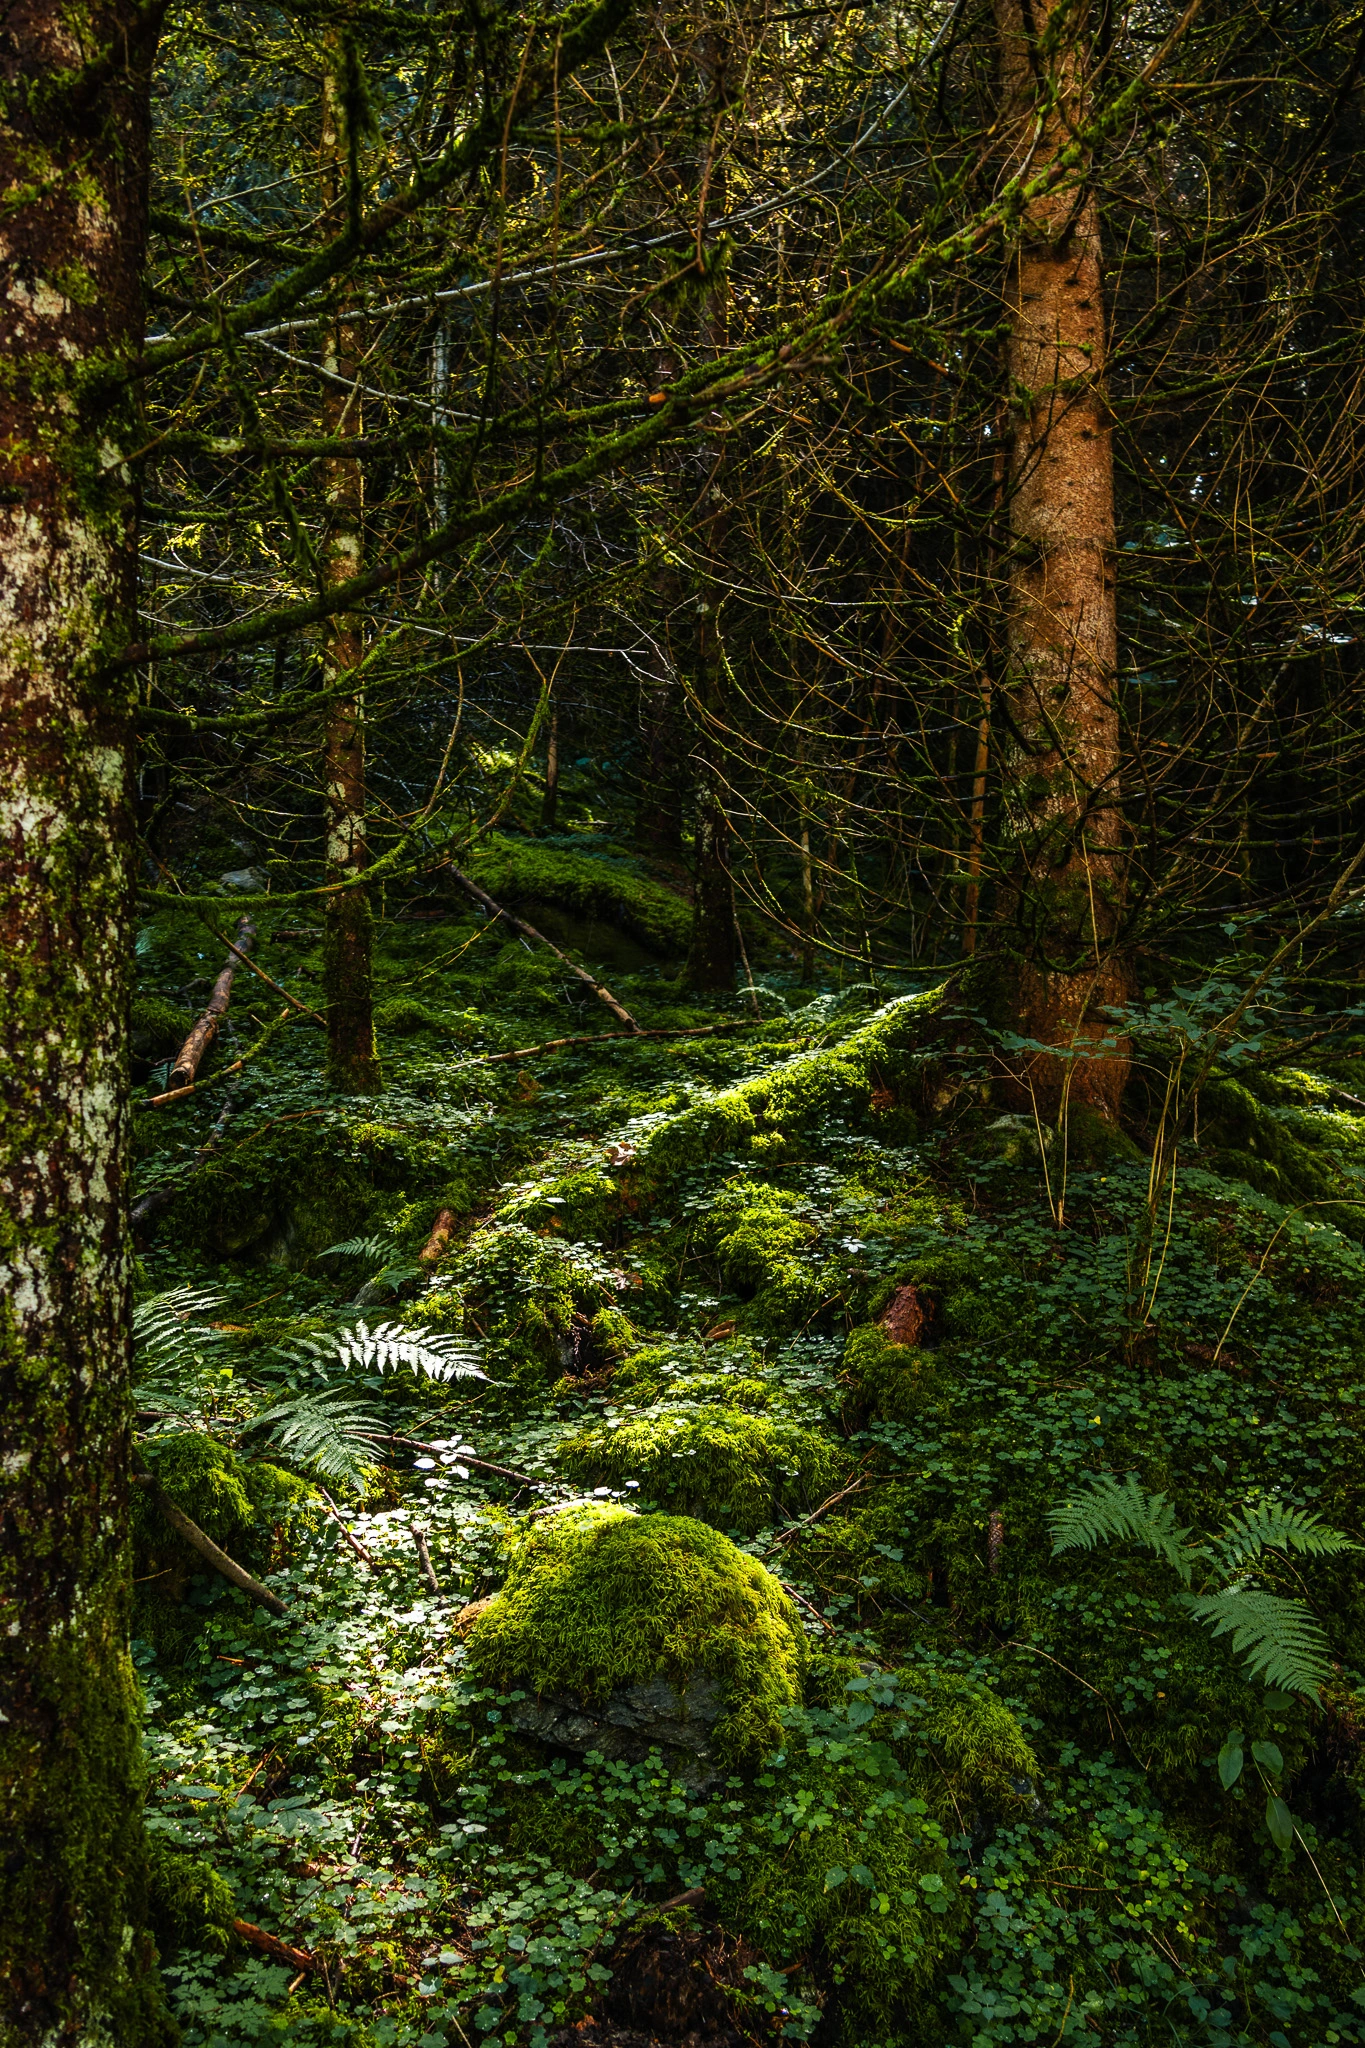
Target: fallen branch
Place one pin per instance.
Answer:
(526, 1052)
(809, 1606)
(794, 1528)
(206, 1028)
(207, 1548)
(261, 975)
(211, 1080)
(273, 1946)
(357, 1546)
(519, 924)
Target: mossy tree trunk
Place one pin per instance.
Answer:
(1061, 910)
(348, 918)
(712, 961)
(76, 1962)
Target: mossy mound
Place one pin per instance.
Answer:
(244, 1507)
(735, 1470)
(597, 1597)
(589, 886)
(895, 1381)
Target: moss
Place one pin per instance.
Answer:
(980, 1754)
(894, 1381)
(609, 891)
(191, 1905)
(1281, 1148)
(762, 1242)
(159, 1026)
(204, 1479)
(847, 1080)
(597, 1597)
(735, 1470)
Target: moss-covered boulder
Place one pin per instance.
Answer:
(599, 1600)
(736, 1470)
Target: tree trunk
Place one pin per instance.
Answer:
(549, 803)
(1060, 758)
(348, 922)
(76, 1962)
(712, 959)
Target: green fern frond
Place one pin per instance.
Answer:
(1112, 1513)
(331, 1434)
(167, 1325)
(1270, 1525)
(389, 1346)
(373, 1248)
(1280, 1639)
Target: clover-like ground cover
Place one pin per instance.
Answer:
(791, 1305)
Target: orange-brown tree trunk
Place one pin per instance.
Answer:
(348, 921)
(1061, 912)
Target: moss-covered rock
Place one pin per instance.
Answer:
(598, 1598)
(735, 1470)
(895, 1381)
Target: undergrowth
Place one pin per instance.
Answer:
(788, 1370)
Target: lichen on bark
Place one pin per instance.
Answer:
(76, 1961)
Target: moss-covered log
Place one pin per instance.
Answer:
(76, 1963)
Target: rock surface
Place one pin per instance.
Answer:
(631, 1721)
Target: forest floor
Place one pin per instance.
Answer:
(799, 1281)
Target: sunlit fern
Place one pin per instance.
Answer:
(390, 1348)
(332, 1434)
(1279, 1637)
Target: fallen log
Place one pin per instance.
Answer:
(206, 1029)
(519, 924)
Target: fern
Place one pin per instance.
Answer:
(331, 1434)
(1272, 1526)
(1109, 1512)
(388, 1347)
(167, 1327)
(1282, 1642)
(382, 1249)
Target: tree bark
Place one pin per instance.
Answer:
(76, 1961)
(549, 803)
(206, 1027)
(1061, 913)
(713, 957)
(348, 920)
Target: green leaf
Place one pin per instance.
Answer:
(1270, 1525)
(863, 1876)
(1268, 1757)
(1279, 1822)
(834, 1878)
(1230, 1760)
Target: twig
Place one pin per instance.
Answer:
(357, 1546)
(477, 1464)
(809, 1606)
(261, 975)
(424, 1559)
(795, 1528)
(526, 1052)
